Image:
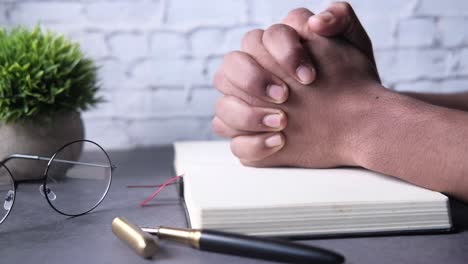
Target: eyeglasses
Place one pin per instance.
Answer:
(75, 181)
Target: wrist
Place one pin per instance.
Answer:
(415, 141)
(381, 117)
(390, 125)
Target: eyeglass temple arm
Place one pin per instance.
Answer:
(30, 157)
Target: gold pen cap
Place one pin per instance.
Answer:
(186, 236)
(141, 242)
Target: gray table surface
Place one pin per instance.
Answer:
(34, 233)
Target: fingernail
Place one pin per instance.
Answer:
(272, 120)
(326, 17)
(276, 92)
(274, 141)
(305, 74)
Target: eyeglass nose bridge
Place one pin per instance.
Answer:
(9, 199)
(50, 194)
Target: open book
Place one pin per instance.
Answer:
(222, 194)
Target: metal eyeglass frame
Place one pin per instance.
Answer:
(43, 179)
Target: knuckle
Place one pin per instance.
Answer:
(257, 145)
(232, 56)
(254, 78)
(284, 33)
(292, 50)
(221, 104)
(251, 36)
(250, 120)
(297, 19)
(251, 100)
(293, 56)
(254, 81)
(250, 76)
(251, 153)
(217, 128)
(227, 106)
(218, 80)
(235, 149)
(344, 6)
(278, 29)
(298, 12)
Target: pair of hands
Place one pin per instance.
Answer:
(297, 92)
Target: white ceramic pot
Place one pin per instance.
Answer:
(39, 139)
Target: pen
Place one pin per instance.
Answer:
(247, 246)
(141, 242)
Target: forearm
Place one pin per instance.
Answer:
(455, 100)
(420, 143)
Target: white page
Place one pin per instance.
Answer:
(216, 180)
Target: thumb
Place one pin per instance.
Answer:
(339, 19)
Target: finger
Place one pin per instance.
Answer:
(339, 19)
(236, 114)
(284, 44)
(225, 131)
(256, 147)
(223, 85)
(297, 19)
(252, 43)
(246, 74)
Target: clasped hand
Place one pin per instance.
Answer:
(294, 94)
(306, 93)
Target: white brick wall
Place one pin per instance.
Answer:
(190, 14)
(168, 45)
(30, 13)
(115, 14)
(158, 57)
(442, 8)
(416, 32)
(129, 46)
(453, 31)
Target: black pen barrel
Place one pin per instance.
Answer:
(265, 248)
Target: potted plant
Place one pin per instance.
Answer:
(45, 82)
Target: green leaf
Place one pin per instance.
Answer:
(42, 74)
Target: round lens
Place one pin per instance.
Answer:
(78, 178)
(7, 192)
